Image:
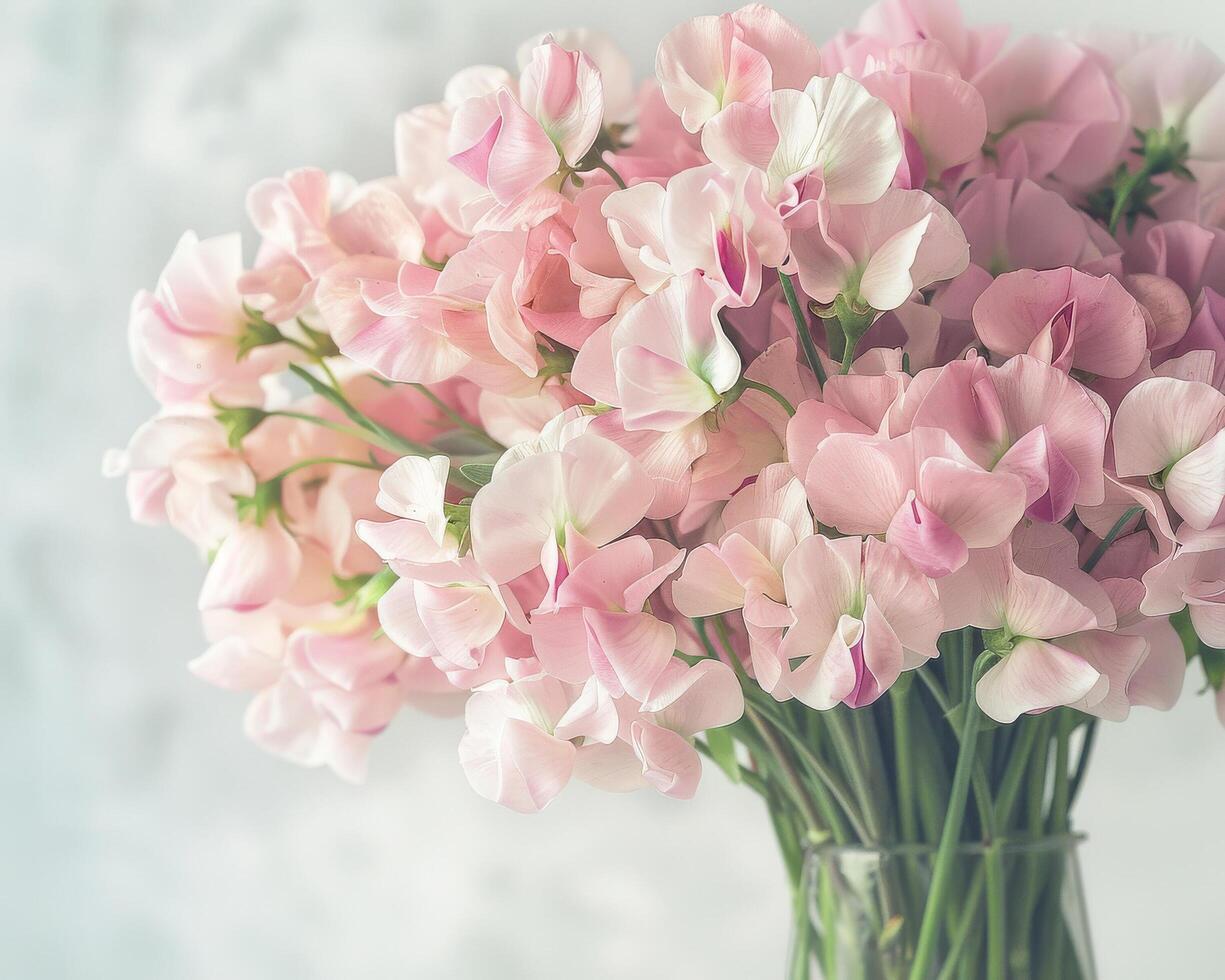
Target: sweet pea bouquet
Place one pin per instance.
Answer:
(851, 416)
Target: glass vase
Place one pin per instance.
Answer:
(1014, 911)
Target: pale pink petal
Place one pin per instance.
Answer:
(923, 536)
(669, 762)
(254, 565)
(1196, 483)
(1033, 677)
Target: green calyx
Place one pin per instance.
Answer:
(364, 591)
(558, 361)
(999, 641)
(239, 422)
(259, 332)
(266, 500)
(847, 319)
(1130, 193)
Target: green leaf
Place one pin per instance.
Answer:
(374, 589)
(723, 750)
(479, 473)
(323, 343)
(1181, 621)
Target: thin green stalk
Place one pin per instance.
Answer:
(997, 923)
(969, 913)
(1082, 761)
(942, 871)
(802, 328)
(302, 464)
(607, 167)
(1060, 792)
(352, 431)
(863, 720)
(1115, 530)
(459, 420)
(829, 778)
(1010, 785)
(767, 390)
(795, 785)
(903, 750)
(848, 754)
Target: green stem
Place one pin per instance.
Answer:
(607, 167)
(1060, 793)
(961, 934)
(802, 328)
(942, 871)
(1115, 530)
(1082, 761)
(848, 356)
(829, 778)
(459, 420)
(903, 748)
(1010, 785)
(848, 754)
(325, 461)
(795, 785)
(767, 390)
(997, 923)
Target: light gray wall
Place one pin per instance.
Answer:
(140, 835)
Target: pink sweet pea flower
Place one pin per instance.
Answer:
(863, 614)
(1025, 418)
(512, 144)
(254, 565)
(496, 142)
(323, 691)
(1056, 101)
(686, 701)
(656, 237)
(738, 233)
(521, 520)
(1173, 432)
(1206, 334)
(562, 90)
(833, 131)
(1065, 318)
(665, 361)
(1028, 610)
(512, 752)
(941, 114)
(880, 253)
(1194, 577)
(744, 570)
(1190, 254)
(598, 624)
(319, 220)
(919, 490)
(184, 335)
(1018, 224)
(413, 490)
(1179, 84)
(387, 316)
(903, 21)
(443, 194)
(181, 471)
(710, 62)
(616, 71)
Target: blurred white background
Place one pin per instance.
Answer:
(140, 835)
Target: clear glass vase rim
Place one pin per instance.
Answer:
(1033, 845)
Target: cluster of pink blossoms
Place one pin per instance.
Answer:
(769, 370)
